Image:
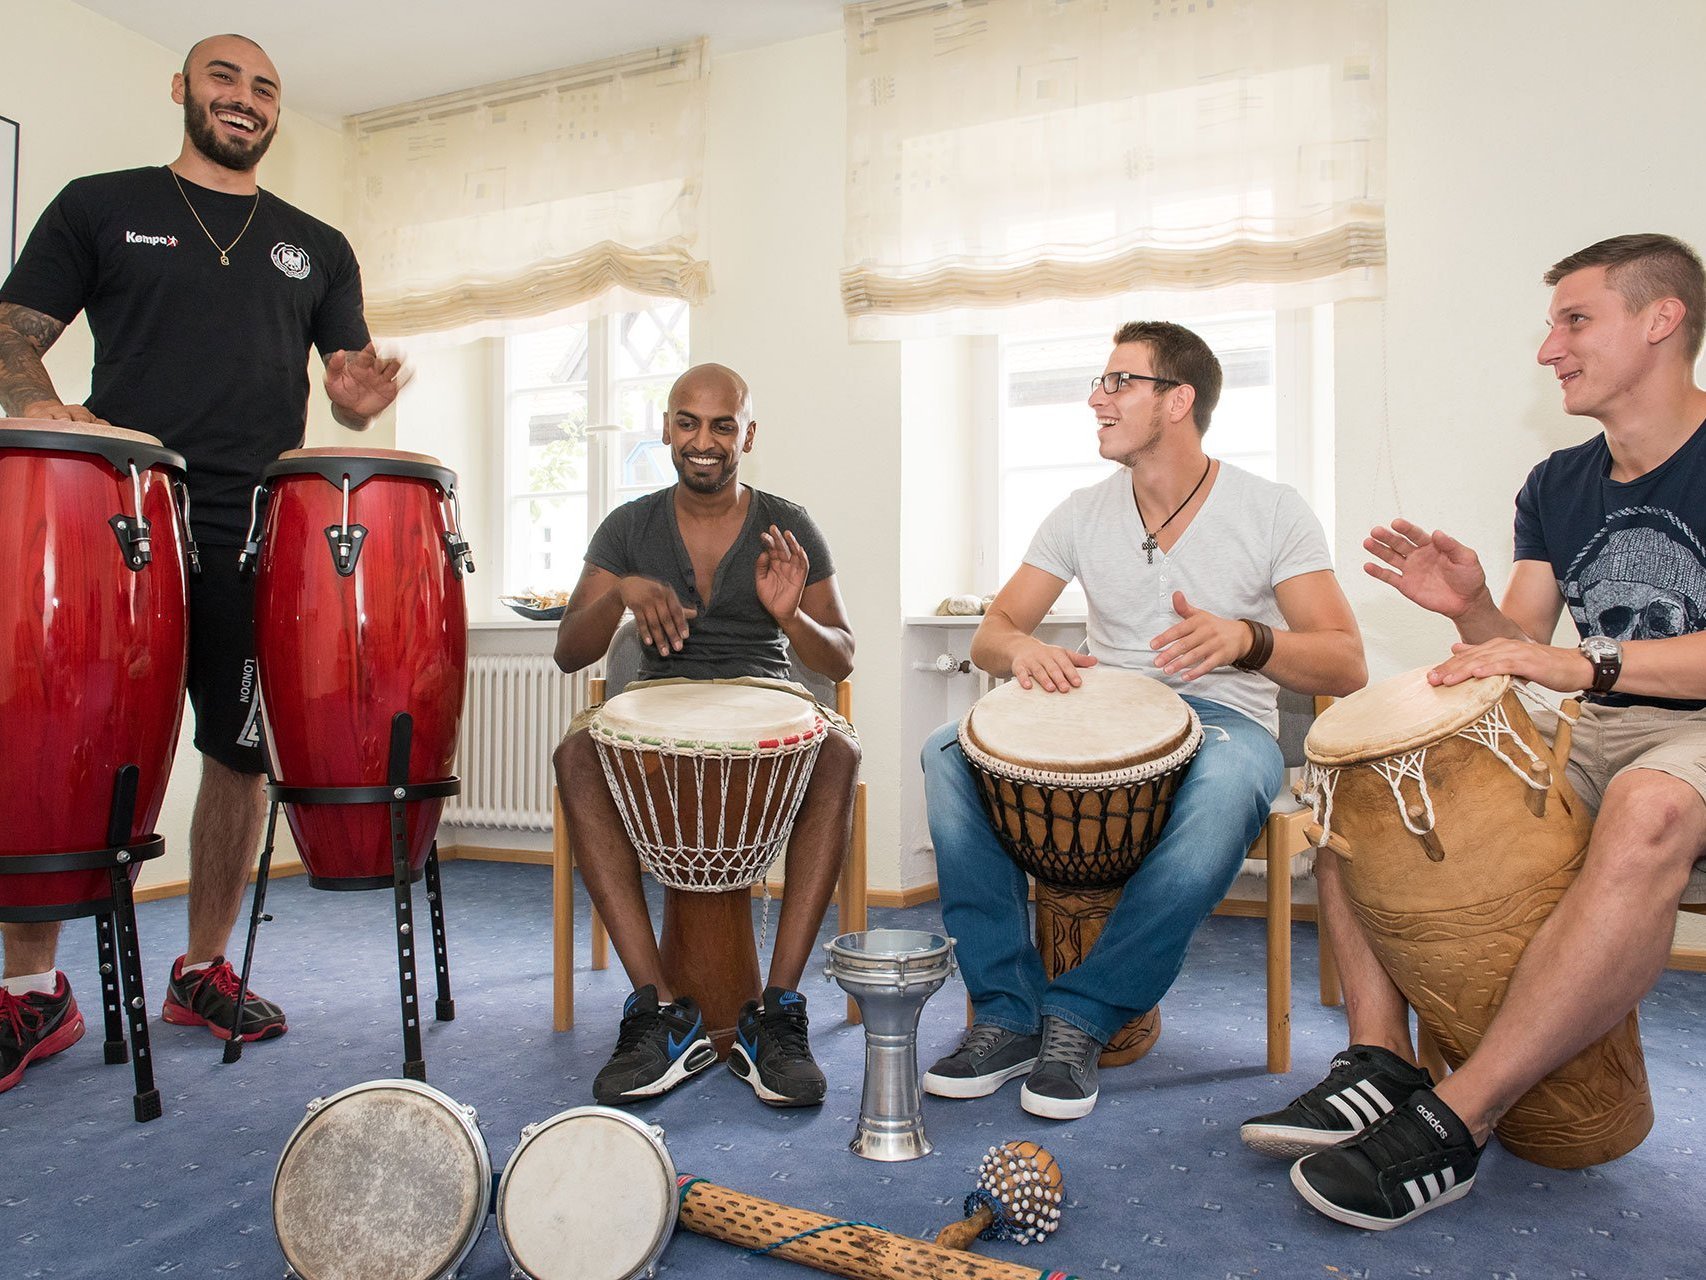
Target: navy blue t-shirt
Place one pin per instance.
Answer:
(733, 635)
(1629, 558)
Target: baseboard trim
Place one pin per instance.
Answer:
(483, 853)
(178, 888)
(1256, 908)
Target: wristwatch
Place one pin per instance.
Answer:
(1606, 655)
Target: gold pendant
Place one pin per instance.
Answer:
(224, 261)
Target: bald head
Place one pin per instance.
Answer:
(205, 47)
(713, 379)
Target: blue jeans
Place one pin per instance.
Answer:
(1216, 815)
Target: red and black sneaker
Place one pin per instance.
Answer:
(208, 998)
(34, 1026)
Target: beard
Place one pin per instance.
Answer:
(715, 482)
(204, 135)
(1151, 438)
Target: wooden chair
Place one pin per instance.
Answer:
(621, 664)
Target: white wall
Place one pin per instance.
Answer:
(90, 96)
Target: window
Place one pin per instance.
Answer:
(1047, 436)
(583, 418)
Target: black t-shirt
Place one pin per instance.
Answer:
(1629, 558)
(213, 360)
(735, 636)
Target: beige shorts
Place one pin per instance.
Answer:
(1608, 741)
(583, 718)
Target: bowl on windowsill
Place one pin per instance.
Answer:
(530, 608)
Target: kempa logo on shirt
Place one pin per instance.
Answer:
(290, 260)
(137, 237)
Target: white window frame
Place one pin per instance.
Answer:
(603, 466)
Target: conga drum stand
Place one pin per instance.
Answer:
(120, 958)
(396, 793)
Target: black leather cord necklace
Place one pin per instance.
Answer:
(1150, 545)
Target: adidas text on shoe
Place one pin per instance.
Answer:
(987, 1058)
(34, 1026)
(657, 1048)
(1364, 1083)
(208, 998)
(772, 1052)
(1063, 1085)
(1411, 1160)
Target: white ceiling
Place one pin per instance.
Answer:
(339, 57)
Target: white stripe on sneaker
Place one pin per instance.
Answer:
(1416, 1197)
(1362, 1104)
(1374, 1095)
(1354, 1117)
(1430, 1184)
(1449, 1176)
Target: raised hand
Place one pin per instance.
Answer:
(658, 613)
(1433, 570)
(781, 575)
(1200, 641)
(1054, 668)
(363, 383)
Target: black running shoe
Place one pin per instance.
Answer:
(657, 1048)
(208, 998)
(987, 1058)
(1365, 1083)
(34, 1026)
(1063, 1085)
(1409, 1161)
(771, 1052)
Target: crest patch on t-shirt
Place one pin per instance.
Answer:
(290, 260)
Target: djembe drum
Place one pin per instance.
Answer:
(93, 651)
(1458, 833)
(1078, 786)
(708, 778)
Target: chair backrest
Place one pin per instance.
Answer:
(622, 666)
(1296, 714)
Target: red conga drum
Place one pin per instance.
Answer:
(359, 615)
(93, 647)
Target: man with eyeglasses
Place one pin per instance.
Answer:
(1206, 577)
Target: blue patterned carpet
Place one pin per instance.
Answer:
(1157, 1181)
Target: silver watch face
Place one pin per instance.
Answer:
(1598, 648)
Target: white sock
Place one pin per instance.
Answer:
(47, 983)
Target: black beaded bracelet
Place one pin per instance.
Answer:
(1261, 646)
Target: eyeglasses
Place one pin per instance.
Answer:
(1114, 383)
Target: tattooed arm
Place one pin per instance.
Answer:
(25, 389)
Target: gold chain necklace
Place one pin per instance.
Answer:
(225, 252)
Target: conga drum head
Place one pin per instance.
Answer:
(588, 1195)
(1117, 720)
(1399, 714)
(88, 430)
(388, 1180)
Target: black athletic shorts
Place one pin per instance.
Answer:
(223, 688)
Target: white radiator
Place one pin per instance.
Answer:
(517, 710)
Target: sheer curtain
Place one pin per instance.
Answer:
(1005, 156)
(477, 211)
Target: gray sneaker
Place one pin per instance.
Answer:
(1063, 1083)
(988, 1057)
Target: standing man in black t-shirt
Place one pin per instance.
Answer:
(721, 578)
(204, 294)
(1615, 529)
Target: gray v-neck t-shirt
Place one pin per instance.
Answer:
(1250, 535)
(733, 634)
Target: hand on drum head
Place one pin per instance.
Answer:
(363, 383)
(1565, 670)
(658, 614)
(1200, 641)
(781, 576)
(1433, 570)
(54, 411)
(1054, 668)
